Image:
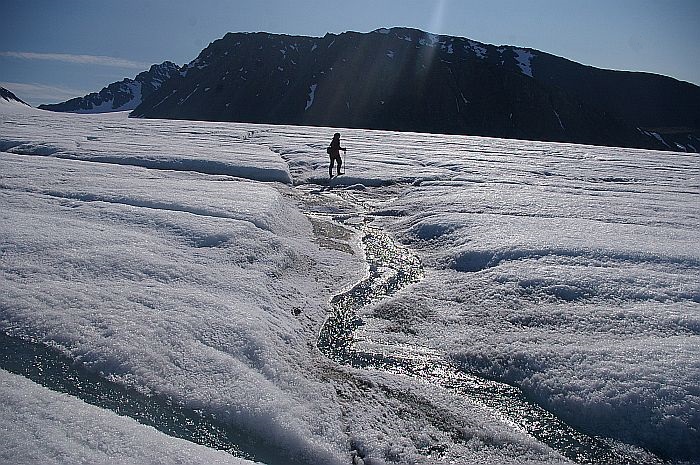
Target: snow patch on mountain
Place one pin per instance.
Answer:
(429, 39)
(9, 98)
(312, 96)
(524, 59)
(561, 125)
(478, 49)
(109, 104)
(184, 99)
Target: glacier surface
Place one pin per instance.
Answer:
(195, 262)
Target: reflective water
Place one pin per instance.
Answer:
(52, 369)
(393, 267)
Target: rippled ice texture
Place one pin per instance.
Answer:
(174, 257)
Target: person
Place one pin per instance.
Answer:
(334, 152)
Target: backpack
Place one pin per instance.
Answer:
(328, 150)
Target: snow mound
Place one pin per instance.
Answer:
(160, 145)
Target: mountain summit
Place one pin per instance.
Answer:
(119, 96)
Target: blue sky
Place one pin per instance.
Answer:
(54, 50)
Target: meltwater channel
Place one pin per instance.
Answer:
(392, 267)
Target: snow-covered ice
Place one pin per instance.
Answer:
(195, 261)
(173, 282)
(113, 139)
(571, 271)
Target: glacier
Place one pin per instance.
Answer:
(194, 264)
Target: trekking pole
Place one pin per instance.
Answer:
(345, 152)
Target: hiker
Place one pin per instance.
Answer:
(334, 152)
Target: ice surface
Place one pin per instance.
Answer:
(71, 431)
(173, 257)
(170, 281)
(571, 271)
(163, 145)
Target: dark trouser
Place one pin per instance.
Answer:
(335, 157)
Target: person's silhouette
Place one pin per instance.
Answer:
(334, 152)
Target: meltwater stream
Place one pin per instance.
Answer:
(393, 267)
(51, 368)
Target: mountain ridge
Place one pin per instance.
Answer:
(406, 79)
(123, 95)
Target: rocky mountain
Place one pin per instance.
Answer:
(409, 80)
(7, 96)
(119, 96)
